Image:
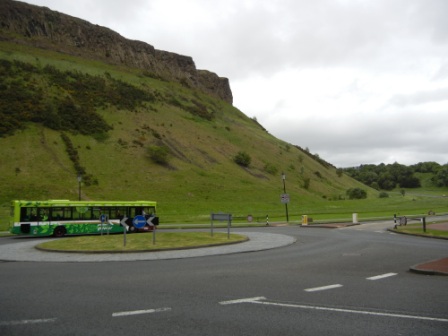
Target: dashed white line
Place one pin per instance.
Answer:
(10, 323)
(316, 289)
(139, 312)
(382, 276)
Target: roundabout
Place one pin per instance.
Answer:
(26, 251)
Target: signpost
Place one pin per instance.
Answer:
(150, 223)
(221, 217)
(125, 228)
(285, 197)
(103, 219)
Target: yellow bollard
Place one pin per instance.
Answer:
(304, 219)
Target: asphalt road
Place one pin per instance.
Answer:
(351, 281)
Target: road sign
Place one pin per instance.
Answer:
(123, 223)
(139, 221)
(221, 217)
(149, 221)
(285, 198)
(103, 218)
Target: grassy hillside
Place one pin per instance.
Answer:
(202, 136)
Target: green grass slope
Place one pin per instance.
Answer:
(202, 136)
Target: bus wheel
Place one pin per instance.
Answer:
(60, 231)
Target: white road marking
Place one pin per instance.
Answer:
(257, 300)
(242, 300)
(138, 312)
(382, 276)
(316, 289)
(10, 323)
(352, 311)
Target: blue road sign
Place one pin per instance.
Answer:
(103, 218)
(139, 221)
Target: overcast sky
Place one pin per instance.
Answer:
(354, 81)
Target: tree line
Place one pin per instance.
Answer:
(390, 176)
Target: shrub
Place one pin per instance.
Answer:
(383, 194)
(356, 193)
(243, 159)
(159, 154)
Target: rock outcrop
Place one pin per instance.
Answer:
(44, 28)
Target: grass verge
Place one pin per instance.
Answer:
(141, 242)
(417, 229)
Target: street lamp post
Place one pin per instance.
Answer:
(79, 186)
(286, 201)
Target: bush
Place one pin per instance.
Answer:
(159, 154)
(356, 193)
(383, 194)
(243, 159)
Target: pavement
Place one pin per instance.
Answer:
(26, 251)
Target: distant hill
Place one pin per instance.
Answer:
(136, 123)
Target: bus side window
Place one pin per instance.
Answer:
(149, 211)
(96, 213)
(27, 214)
(132, 212)
(31, 214)
(118, 213)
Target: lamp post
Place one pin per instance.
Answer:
(286, 199)
(79, 186)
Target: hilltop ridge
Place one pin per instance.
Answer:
(44, 28)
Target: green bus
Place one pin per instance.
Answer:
(63, 217)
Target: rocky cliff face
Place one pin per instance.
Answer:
(44, 28)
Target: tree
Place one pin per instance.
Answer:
(441, 178)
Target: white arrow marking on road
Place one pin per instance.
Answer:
(138, 312)
(352, 311)
(382, 276)
(257, 300)
(242, 300)
(322, 288)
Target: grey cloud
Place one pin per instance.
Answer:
(421, 97)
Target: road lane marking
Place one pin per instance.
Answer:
(139, 312)
(242, 300)
(10, 323)
(382, 276)
(352, 311)
(316, 289)
(258, 300)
